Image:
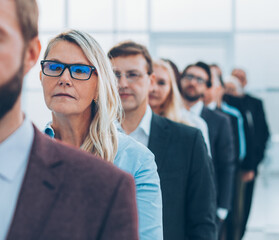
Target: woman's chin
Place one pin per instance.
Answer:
(63, 111)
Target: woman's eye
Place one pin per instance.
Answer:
(161, 83)
(79, 71)
(55, 67)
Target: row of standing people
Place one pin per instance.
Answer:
(175, 192)
(180, 194)
(50, 189)
(205, 94)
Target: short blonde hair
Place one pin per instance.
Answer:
(102, 134)
(172, 107)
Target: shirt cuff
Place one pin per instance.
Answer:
(222, 213)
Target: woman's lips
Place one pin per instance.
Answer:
(152, 97)
(63, 95)
(125, 95)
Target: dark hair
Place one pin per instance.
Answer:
(130, 48)
(174, 68)
(203, 66)
(27, 14)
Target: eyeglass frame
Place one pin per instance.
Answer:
(192, 77)
(118, 75)
(93, 69)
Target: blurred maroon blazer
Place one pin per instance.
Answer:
(70, 194)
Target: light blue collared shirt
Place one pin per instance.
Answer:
(136, 159)
(148, 191)
(14, 156)
(242, 142)
(241, 134)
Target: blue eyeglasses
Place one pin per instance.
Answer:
(77, 71)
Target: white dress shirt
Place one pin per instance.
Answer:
(197, 108)
(142, 132)
(198, 122)
(212, 105)
(14, 156)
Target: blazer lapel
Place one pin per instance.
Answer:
(203, 113)
(159, 139)
(38, 192)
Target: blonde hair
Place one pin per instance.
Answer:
(102, 135)
(172, 107)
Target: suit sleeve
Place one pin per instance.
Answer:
(225, 156)
(121, 220)
(201, 194)
(262, 133)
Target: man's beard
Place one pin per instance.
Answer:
(190, 98)
(10, 92)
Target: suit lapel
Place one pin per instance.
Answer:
(38, 192)
(159, 139)
(203, 113)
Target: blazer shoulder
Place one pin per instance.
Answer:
(175, 127)
(75, 162)
(215, 116)
(253, 98)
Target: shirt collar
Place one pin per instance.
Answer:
(197, 108)
(144, 124)
(49, 130)
(15, 150)
(212, 105)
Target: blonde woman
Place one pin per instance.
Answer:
(165, 99)
(80, 89)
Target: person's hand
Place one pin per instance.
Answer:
(248, 176)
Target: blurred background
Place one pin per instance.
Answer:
(231, 33)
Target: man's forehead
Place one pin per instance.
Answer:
(197, 70)
(130, 62)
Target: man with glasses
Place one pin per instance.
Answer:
(185, 170)
(195, 80)
(49, 190)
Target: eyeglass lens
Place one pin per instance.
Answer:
(77, 71)
(191, 77)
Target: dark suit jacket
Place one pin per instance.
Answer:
(261, 127)
(235, 136)
(222, 150)
(255, 126)
(69, 194)
(187, 184)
